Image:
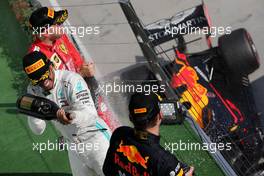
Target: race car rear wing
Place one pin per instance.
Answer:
(180, 24)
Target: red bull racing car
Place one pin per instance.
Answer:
(213, 84)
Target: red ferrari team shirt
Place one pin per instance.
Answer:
(62, 53)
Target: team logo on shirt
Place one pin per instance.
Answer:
(56, 61)
(63, 48)
(132, 154)
(79, 87)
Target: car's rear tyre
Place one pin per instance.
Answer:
(238, 52)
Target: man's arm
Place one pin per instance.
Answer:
(86, 70)
(94, 88)
(171, 165)
(108, 162)
(37, 126)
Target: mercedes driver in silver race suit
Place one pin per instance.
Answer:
(77, 118)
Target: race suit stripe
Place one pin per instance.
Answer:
(102, 129)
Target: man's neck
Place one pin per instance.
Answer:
(47, 41)
(154, 130)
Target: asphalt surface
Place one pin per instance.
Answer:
(115, 49)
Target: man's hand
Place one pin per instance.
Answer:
(190, 172)
(63, 118)
(87, 70)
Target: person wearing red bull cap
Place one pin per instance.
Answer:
(137, 151)
(51, 39)
(77, 119)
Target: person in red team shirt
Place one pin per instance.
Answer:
(51, 40)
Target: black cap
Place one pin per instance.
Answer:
(143, 108)
(36, 65)
(44, 17)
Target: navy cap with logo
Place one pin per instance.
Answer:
(143, 108)
(36, 65)
(44, 17)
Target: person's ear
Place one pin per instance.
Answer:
(51, 70)
(160, 115)
(51, 67)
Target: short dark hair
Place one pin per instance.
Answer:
(148, 124)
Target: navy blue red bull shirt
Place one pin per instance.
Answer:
(139, 153)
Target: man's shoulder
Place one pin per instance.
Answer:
(68, 75)
(70, 78)
(34, 47)
(35, 90)
(37, 45)
(122, 131)
(63, 39)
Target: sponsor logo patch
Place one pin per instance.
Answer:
(133, 155)
(63, 17)
(34, 67)
(140, 110)
(63, 49)
(56, 61)
(79, 87)
(50, 13)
